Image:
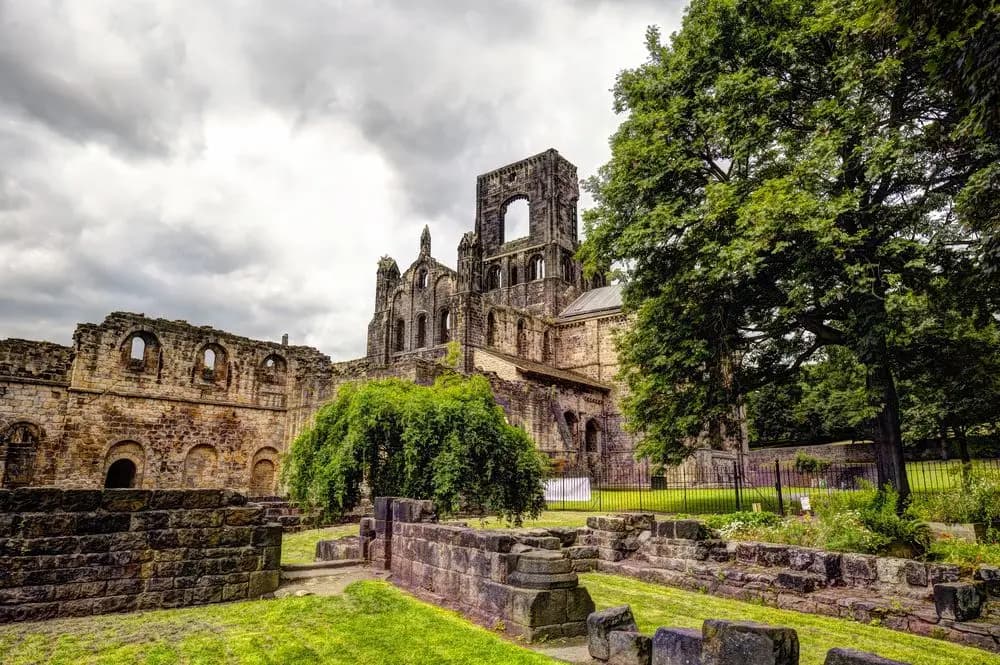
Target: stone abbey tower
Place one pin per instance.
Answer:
(140, 402)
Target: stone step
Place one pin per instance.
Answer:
(320, 569)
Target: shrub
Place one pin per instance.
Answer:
(808, 464)
(977, 499)
(448, 442)
(741, 523)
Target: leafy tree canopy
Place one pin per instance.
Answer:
(449, 442)
(784, 169)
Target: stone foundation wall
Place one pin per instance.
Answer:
(831, 452)
(81, 552)
(488, 576)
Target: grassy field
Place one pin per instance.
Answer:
(656, 606)
(924, 477)
(371, 623)
(301, 547)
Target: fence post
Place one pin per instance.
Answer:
(736, 485)
(777, 486)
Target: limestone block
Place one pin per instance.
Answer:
(859, 567)
(637, 521)
(957, 601)
(800, 582)
(943, 572)
(338, 550)
(676, 646)
(600, 624)
(581, 552)
(748, 553)
(738, 643)
(990, 577)
(263, 581)
(601, 523)
(628, 648)
(542, 580)
(383, 509)
(545, 562)
(916, 573)
(854, 657)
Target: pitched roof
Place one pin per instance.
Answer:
(606, 299)
(531, 368)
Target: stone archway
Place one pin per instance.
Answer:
(264, 472)
(201, 467)
(18, 447)
(121, 474)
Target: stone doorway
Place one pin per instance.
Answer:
(18, 446)
(121, 474)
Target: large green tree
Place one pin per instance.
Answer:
(448, 442)
(784, 168)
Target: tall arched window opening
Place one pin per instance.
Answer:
(592, 437)
(522, 338)
(444, 326)
(491, 329)
(400, 336)
(493, 280)
(536, 267)
(573, 425)
(138, 349)
(516, 216)
(19, 444)
(422, 279)
(421, 331)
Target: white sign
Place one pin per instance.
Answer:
(567, 489)
(806, 507)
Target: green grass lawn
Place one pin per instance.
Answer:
(656, 606)
(371, 623)
(301, 547)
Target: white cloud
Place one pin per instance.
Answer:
(245, 164)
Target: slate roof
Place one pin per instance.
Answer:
(606, 299)
(531, 368)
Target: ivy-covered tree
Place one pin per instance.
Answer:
(784, 168)
(448, 442)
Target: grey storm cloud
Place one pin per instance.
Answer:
(244, 163)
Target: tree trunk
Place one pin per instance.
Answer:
(943, 441)
(888, 434)
(963, 444)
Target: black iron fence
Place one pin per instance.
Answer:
(723, 486)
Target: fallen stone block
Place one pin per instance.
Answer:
(957, 601)
(628, 648)
(854, 657)
(990, 577)
(543, 580)
(600, 624)
(676, 646)
(600, 523)
(739, 643)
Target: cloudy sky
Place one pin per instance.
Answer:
(245, 164)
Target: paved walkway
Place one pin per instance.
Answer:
(333, 581)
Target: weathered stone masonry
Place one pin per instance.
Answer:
(490, 577)
(80, 552)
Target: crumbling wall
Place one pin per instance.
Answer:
(81, 552)
(487, 576)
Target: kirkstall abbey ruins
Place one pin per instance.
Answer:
(152, 403)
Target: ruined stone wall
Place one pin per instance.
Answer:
(839, 452)
(82, 552)
(183, 406)
(486, 575)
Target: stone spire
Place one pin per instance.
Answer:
(425, 242)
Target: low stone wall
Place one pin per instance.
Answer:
(937, 600)
(830, 452)
(525, 590)
(80, 552)
(613, 637)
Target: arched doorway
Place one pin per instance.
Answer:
(18, 446)
(592, 437)
(572, 424)
(121, 474)
(262, 478)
